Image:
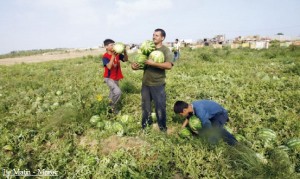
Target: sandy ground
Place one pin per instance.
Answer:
(60, 55)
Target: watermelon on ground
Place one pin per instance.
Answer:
(267, 134)
(118, 128)
(107, 125)
(94, 119)
(125, 119)
(294, 143)
(283, 147)
(100, 125)
(157, 56)
(185, 133)
(239, 137)
(147, 47)
(195, 123)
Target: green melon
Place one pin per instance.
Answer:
(157, 56)
(239, 137)
(140, 60)
(119, 47)
(125, 119)
(107, 125)
(100, 125)
(118, 128)
(147, 47)
(185, 133)
(94, 119)
(294, 143)
(174, 49)
(267, 134)
(195, 123)
(283, 147)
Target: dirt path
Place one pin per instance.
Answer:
(51, 56)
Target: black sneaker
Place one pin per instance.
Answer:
(113, 111)
(110, 111)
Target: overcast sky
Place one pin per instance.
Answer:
(40, 24)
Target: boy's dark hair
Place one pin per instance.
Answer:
(163, 33)
(108, 41)
(179, 106)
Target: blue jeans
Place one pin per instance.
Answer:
(158, 95)
(218, 122)
(176, 56)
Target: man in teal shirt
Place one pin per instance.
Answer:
(153, 84)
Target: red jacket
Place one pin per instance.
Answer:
(115, 71)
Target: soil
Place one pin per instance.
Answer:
(59, 55)
(115, 142)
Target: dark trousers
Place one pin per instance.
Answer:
(176, 56)
(158, 95)
(218, 122)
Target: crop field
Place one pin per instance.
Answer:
(46, 110)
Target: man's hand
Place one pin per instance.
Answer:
(125, 56)
(185, 123)
(135, 66)
(149, 62)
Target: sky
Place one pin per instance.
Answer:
(47, 24)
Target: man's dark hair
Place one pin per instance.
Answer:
(163, 33)
(179, 106)
(108, 41)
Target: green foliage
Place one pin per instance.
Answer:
(294, 68)
(46, 108)
(128, 87)
(275, 43)
(204, 54)
(275, 163)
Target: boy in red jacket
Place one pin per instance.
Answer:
(113, 73)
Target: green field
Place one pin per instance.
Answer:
(45, 111)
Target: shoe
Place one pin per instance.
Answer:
(110, 110)
(113, 111)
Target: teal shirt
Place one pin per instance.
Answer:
(155, 76)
